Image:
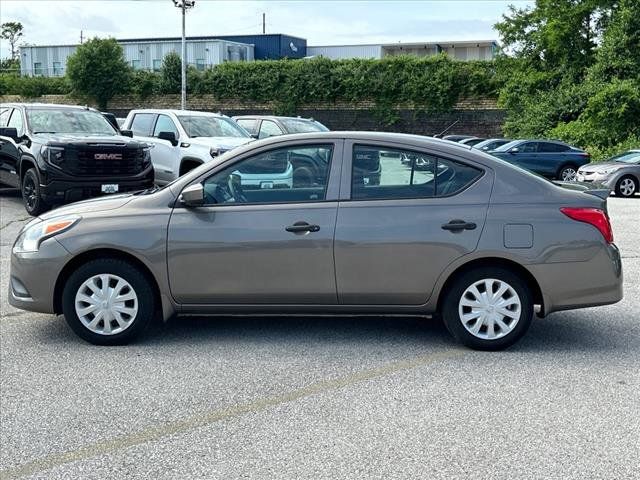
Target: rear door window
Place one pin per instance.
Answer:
(142, 124)
(380, 173)
(550, 147)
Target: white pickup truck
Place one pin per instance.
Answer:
(184, 139)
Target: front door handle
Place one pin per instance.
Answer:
(457, 225)
(301, 227)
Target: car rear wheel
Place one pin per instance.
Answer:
(568, 173)
(31, 195)
(626, 187)
(488, 309)
(108, 301)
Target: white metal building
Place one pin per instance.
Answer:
(467, 50)
(51, 61)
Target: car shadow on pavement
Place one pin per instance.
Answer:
(557, 333)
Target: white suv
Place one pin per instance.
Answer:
(184, 139)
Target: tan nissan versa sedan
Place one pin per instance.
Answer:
(445, 228)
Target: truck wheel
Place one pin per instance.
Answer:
(488, 308)
(31, 196)
(108, 301)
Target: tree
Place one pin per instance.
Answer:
(171, 72)
(98, 70)
(12, 31)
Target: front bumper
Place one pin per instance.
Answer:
(59, 188)
(33, 276)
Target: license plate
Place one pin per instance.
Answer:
(109, 188)
(267, 185)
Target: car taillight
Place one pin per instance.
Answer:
(593, 216)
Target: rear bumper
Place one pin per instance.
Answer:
(570, 285)
(67, 189)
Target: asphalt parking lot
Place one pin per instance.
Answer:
(317, 398)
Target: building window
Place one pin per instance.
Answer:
(37, 69)
(136, 64)
(157, 65)
(57, 69)
(200, 63)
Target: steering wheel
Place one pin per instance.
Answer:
(235, 189)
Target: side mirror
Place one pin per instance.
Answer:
(126, 133)
(255, 136)
(514, 150)
(10, 132)
(193, 195)
(169, 136)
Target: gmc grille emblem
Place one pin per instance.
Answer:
(108, 156)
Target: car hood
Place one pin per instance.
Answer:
(223, 143)
(71, 138)
(98, 204)
(599, 167)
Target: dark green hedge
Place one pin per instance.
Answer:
(431, 84)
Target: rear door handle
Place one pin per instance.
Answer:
(457, 225)
(301, 227)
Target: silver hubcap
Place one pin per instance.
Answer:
(106, 304)
(627, 187)
(489, 309)
(568, 174)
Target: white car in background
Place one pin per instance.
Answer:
(184, 139)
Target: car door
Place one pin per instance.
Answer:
(394, 238)
(9, 153)
(551, 156)
(165, 156)
(527, 156)
(257, 245)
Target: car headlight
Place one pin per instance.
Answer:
(146, 156)
(32, 236)
(52, 155)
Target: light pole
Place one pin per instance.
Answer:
(184, 5)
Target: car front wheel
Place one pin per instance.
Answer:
(108, 301)
(488, 309)
(626, 187)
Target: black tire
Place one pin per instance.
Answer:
(303, 177)
(624, 192)
(454, 323)
(140, 284)
(565, 170)
(31, 195)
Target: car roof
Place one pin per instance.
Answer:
(272, 117)
(167, 111)
(56, 106)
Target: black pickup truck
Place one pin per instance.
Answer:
(57, 154)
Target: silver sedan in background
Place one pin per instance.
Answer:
(620, 173)
(453, 230)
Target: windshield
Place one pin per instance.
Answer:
(86, 122)
(210, 126)
(627, 157)
(301, 125)
(507, 146)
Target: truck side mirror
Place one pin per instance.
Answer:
(169, 136)
(126, 133)
(10, 132)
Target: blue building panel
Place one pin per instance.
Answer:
(272, 46)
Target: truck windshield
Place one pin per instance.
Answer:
(87, 122)
(210, 126)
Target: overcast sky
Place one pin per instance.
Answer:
(320, 22)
